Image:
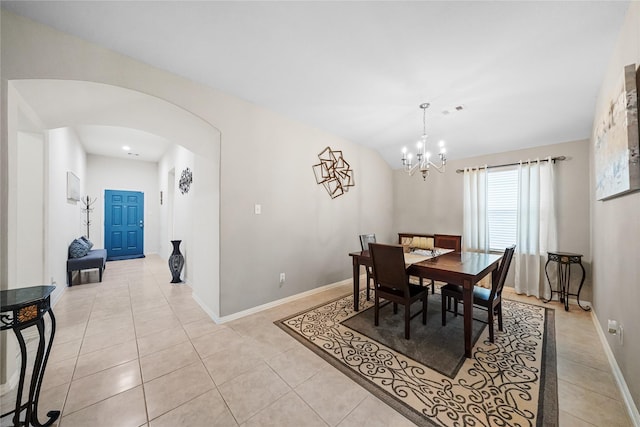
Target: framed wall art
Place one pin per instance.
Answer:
(616, 151)
(73, 187)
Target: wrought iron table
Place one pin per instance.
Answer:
(564, 261)
(20, 309)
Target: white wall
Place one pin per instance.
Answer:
(182, 210)
(186, 216)
(30, 259)
(109, 173)
(615, 232)
(265, 158)
(64, 216)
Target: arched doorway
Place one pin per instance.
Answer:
(50, 111)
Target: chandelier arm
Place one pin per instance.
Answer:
(424, 162)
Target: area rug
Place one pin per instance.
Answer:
(441, 348)
(511, 382)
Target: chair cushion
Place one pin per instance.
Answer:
(416, 289)
(413, 290)
(479, 293)
(78, 249)
(451, 289)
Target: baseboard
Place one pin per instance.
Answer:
(11, 384)
(271, 304)
(632, 409)
(572, 300)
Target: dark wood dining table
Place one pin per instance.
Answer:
(459, 268)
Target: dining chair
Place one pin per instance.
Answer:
(365, 239)
(392, 284)
(488, 299)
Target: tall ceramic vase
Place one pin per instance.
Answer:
(176, 262)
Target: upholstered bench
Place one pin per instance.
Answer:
(95, 258)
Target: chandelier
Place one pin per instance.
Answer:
(424, 162)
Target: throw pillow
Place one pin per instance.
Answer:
(88, 242)
(78, 249)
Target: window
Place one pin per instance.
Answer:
(502, 206)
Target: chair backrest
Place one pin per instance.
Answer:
(503, 269)
(365, 239)
(389, 269)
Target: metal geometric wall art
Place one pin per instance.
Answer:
(333, 172)
(185, 181)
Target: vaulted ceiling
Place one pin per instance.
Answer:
(525, 73)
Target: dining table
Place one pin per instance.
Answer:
(459, 268)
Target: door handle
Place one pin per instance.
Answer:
(141, 224)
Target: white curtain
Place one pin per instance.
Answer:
(536, 230)
(475, 235)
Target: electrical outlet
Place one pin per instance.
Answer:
(257, 209)
(282, 278)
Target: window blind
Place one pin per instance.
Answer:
(502, 206)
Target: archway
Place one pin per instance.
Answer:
(47, 108)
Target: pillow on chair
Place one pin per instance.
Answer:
(422, 242)
(78, 249)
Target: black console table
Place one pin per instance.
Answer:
(21, 309)
(564, 261)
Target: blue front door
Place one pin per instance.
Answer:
(123, 224)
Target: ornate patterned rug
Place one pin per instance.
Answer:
(512, 382)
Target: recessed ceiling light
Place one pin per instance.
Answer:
(126, 148)
(455, 109)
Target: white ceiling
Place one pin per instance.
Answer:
(117, 141)
(527, 73)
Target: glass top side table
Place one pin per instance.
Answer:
(564, 261)
(20, 309)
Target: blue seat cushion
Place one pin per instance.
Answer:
(96, 258)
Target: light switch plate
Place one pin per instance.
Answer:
(257, 209)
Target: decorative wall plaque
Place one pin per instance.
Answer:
(185, 181)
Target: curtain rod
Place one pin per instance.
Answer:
(553, 159)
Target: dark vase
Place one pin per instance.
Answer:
(176, 262)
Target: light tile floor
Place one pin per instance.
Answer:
(135, 351)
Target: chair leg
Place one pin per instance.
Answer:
(433, 287)
(368, 281)
(407, 320)
(424, 309)
(376, 309)
(395, 308)
(499, 312)
(490, 321)
(444, 311)
(455, 307)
